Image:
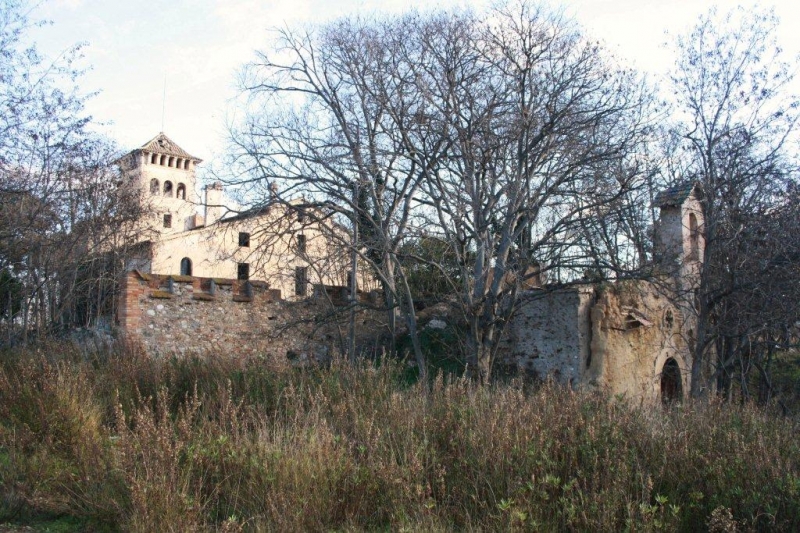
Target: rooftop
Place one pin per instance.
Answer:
(674, 196)
(161, 144)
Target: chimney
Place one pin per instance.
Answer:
(214, 208)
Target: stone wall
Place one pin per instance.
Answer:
(614, 337)
(550, 333)
(180, 315)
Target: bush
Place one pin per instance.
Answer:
(124, 441)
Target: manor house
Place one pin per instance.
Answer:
(274, 242)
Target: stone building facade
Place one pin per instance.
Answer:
(274, 242)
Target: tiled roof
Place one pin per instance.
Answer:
(161, 144)
(674, 196)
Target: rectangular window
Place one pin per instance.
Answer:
(167, 221)
(244, 239)
(301, 281)
(301, 244)
(243, 271)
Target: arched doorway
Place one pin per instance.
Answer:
(186, 267)
(671, 384)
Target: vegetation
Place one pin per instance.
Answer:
(120, 441)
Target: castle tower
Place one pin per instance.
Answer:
(679, 244)
(165, 173)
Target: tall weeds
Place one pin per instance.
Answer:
(124, 441)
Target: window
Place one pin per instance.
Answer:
(694, 244)
(186, 267)
(243, 271)
(153, 159)
(244, 239)
(301, 244)
(154, 186)
(181, 192)
(301, 281)
(167, 221)
(167, 188)
(301, 216)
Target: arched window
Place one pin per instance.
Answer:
(186, 165)
(180, 192)
(694, 238)
(162, 160)
(671, 382)
(154, 186)
(153, 159)
(186, 267)
(171, 162)
(168, 188)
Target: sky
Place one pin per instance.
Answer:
(171, 64)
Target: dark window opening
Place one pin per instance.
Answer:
(243, 271)
(181, 192)
(671, 386)
(167, 188)
(301, 244)
(167, 221)
(694, 239)
(244, 239)
(154, 186)
(301, 281)
(186, 267)
(669, 319)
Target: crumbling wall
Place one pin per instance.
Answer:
(615, 337)
(549, 335)
(179, 315)
(635, 330)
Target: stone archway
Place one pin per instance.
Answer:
(671, 382)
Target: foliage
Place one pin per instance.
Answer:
(121, 440)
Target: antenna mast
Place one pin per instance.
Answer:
(163, 103)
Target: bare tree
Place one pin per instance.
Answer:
(336, 114)
(737, 131)
(509, 140)
(543, 130)
(60, 204)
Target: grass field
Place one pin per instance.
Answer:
(120, 441)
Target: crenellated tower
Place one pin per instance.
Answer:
(165, 173)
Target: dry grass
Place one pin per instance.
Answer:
(125, 442)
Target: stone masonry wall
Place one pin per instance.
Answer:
(181, 315)
(549, 334)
